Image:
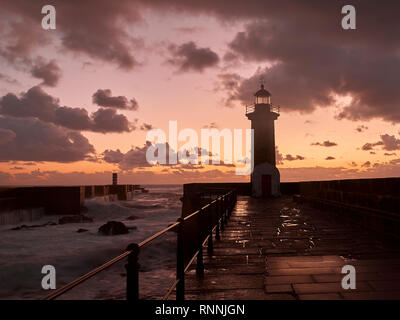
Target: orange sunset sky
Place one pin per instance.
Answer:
(76, 102)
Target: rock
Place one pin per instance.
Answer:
(75, 219)
(113, 228)
(82, 230)
(132, 217)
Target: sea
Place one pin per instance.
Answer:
(24, 252)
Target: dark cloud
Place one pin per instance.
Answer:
(6, 135)
(211, 125)
(388, 142)
(289, 157)
(20, 36)
(104, 98)
(326, 143)
(146, 127)
(36, 103)
(311, 56)
(361, 128)
(136, 157)
(366, 164)
(107, 120)
(189, 57)
(330, 158)
(49, 72)
(112, 156)
(94, 28)
(390, 154)
(34, 140)
(369, 146)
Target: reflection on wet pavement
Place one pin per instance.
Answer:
(279, 249)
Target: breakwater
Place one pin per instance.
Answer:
(19, 204)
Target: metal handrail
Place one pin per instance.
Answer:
(134, 250)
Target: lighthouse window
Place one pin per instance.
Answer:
(262, 100)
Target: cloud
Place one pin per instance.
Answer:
(107, 120)
(140, 176)
(6, 135)
(289, 157)
(211, 125)
(388, 142)
(36, 103)
(136, 157)
(146, 127)
(369, 146)
(291, 36)
(366, 164)
(8, 79)
(34, 140)
(49, 72)
(326, 143)
(98, 29)
(104, 98)
(330, 158)
(361, 128)
(112, 156)
(189, 57)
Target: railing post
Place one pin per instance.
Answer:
(210, 247)
(180, 263)
(132, 273)
(217, 216)
(222, 213)
(231, 203)
(199, 263)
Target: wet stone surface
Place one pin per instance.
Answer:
(276, 249)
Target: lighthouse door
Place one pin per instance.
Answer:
(266, 185)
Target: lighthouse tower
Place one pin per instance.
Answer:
(265, 178)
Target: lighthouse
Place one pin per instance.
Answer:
(265, 178)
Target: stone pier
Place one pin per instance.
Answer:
(280, 249)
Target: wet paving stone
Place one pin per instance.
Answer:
(276, 249)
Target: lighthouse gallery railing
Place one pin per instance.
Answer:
(272, 108)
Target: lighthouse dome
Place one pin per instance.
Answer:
(262, 96)
(262, 92)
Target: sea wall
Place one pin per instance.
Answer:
(381, 194)
(372, 203)
(29, 203)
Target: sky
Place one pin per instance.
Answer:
(77, 102)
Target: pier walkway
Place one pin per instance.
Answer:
(279, 249)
